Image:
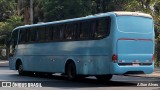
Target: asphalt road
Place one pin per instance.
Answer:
(57, 82)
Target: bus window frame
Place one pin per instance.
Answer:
(58, 30)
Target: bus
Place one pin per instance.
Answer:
(100, 45)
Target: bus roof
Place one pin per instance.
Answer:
(117, 13)
(120, 13)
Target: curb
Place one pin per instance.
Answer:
(144, 76)
(154, 75)
(4, 63)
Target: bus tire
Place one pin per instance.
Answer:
(21, 72)
(71, 71)
(104, 77)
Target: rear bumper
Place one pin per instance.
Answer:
(146, 69)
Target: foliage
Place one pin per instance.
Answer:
(64, 9)
(15, 21)
(7, 27)
(157, 63)
(7, 9)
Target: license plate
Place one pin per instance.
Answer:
(135, 64)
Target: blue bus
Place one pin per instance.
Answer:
(100, 45)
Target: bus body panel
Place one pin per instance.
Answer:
(135, 51)
(92, 57)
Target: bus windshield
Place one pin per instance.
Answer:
(134, 24)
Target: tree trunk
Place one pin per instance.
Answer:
(26, 15)
(19, 7)
(31, 11)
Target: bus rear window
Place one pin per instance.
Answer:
(135, 24)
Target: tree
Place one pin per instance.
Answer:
(7, 9)
(7, 27)
(65, 9)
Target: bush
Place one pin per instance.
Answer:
(157, 63)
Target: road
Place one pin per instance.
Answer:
(56, 82)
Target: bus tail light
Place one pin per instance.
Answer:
(114, 58)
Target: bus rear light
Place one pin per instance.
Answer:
(114, 58)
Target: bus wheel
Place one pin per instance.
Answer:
(104, 77)
(71, 71)
(20, 69)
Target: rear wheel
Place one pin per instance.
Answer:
(104, 77)
(71, 71)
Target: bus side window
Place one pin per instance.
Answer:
(74, 31)
(69, 33)
(41, 34)
(54, 28)
(103, 27)
(33, 35)
(93, 29)
(50, 32)
(62, 28)
(27, 35)
(108, 22)
(78, 30)
(13, 42)
(22, 37)
(85, 30)
(56, 33)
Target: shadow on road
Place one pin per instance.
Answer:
(60, 81)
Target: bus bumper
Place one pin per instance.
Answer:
(116, 69)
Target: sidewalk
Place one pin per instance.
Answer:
(155, 74)
(4, 63)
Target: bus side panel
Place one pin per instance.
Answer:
(91, 57)
(43, 63)
(93, 65)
